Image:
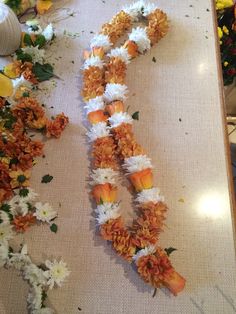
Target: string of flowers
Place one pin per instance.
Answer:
(113, 143)
(20, 114)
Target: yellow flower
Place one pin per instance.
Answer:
(11, 70)
(43, 6)
(19, 178)
(6, 87)
(226, 63)
(222, 4)
(225, 30)
(220, 33)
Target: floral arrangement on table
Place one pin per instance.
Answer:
(21, 7)
(226, 14)
(114, 144)
(20, 115)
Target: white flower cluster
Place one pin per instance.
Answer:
(137, 163)
(139, 36)
(94, 104)
(122, 53)
(120, 117)
(139, 9)
(98, 130)
(93, 61)
(144, 252)
(115, 91)
(150, 195)
(37, 54)
(102, 176)
(100, 40)
(107, 211)
(35, 28)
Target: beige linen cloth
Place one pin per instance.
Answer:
(181, 129)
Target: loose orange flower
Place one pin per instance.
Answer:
(55, 127)
(142, 180)
(43, 6)
(19, 178)
(22, 223)
(105, 193)
(115, 106)
(97, 116)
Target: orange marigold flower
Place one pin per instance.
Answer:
(55, 127)
(158, 26)
(115, 106)
(123, 244)
(19, 178)
(93, 83)
(132, 48)
(111, 227)
(97, 116)
(105, 193)
(142, 180)
(104, 153)
(115, 71)
(22, 223)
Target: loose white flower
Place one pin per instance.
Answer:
(98, 130)
(102, 176)
(6, 232)
(29, 196)
(93, 62)
(106, 212)
(34, 298)
(44, 212)
(120, 117)
(94, 104)
(36, 53)
(139, 36)
(34, 27)
(56, 273)
(34, 275)
(115, 92)
(101, 40)
(137, 163)
(20, 260)
(121, 53)
(144, 252)
(150, 195)
(48, 32)
(4, 251)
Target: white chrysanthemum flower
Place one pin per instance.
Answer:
(107, 211)
(102, 176)
(34, 275)
(14, 203)
(4, 217)
(34, 298)
(6, 232)
(144, 252)
(101, 40)
(115, 92)
(135, 9)
(29, 195)
(4, 251)
(98, 130)
(36, 53)
(120, 117)
(94, 104)
(139, 36)
(150, 195)
(56, 273)
(48, 32)
(23, 208)
(44, 212)
(93, 62)
(148, 8)
(121, 53)
(137, 163)
(43, 310)
(34, 27)
(18, 205)
(19, 260)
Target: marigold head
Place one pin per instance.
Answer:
(104, 193)
(142, 180)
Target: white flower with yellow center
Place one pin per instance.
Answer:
(34, 275)
(56, 273)
(44, 212)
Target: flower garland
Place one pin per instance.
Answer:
(113, 142)
(20, 113)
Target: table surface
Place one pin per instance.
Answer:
(182, 128)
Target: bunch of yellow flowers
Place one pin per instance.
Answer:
(222, 4)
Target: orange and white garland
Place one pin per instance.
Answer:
(113, 143)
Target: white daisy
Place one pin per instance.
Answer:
(120, 117)
(101, 40)
(137, 163)
(150, 195)
(44, 212)
(94, 104)
(115, 92)
(4, 217)
(121, 53)
(34, 298)
(28, 195)
(48, 32)
(98, 130)
(106, 212)
(34, 27)
(102, 176)
(4, 251)
(34, 274)
(93, 62)
(56, 273)
(19, 260)
(36, 53)
(144, 252)
(6, 232)
(139, 36)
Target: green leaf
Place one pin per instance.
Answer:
(28, 40)
(43, 72)
(47, 178)
(170, 250)
(24, 192)
(25, 94)
(40, 41)
(53, 228)
(24, 57)
(135, 115)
